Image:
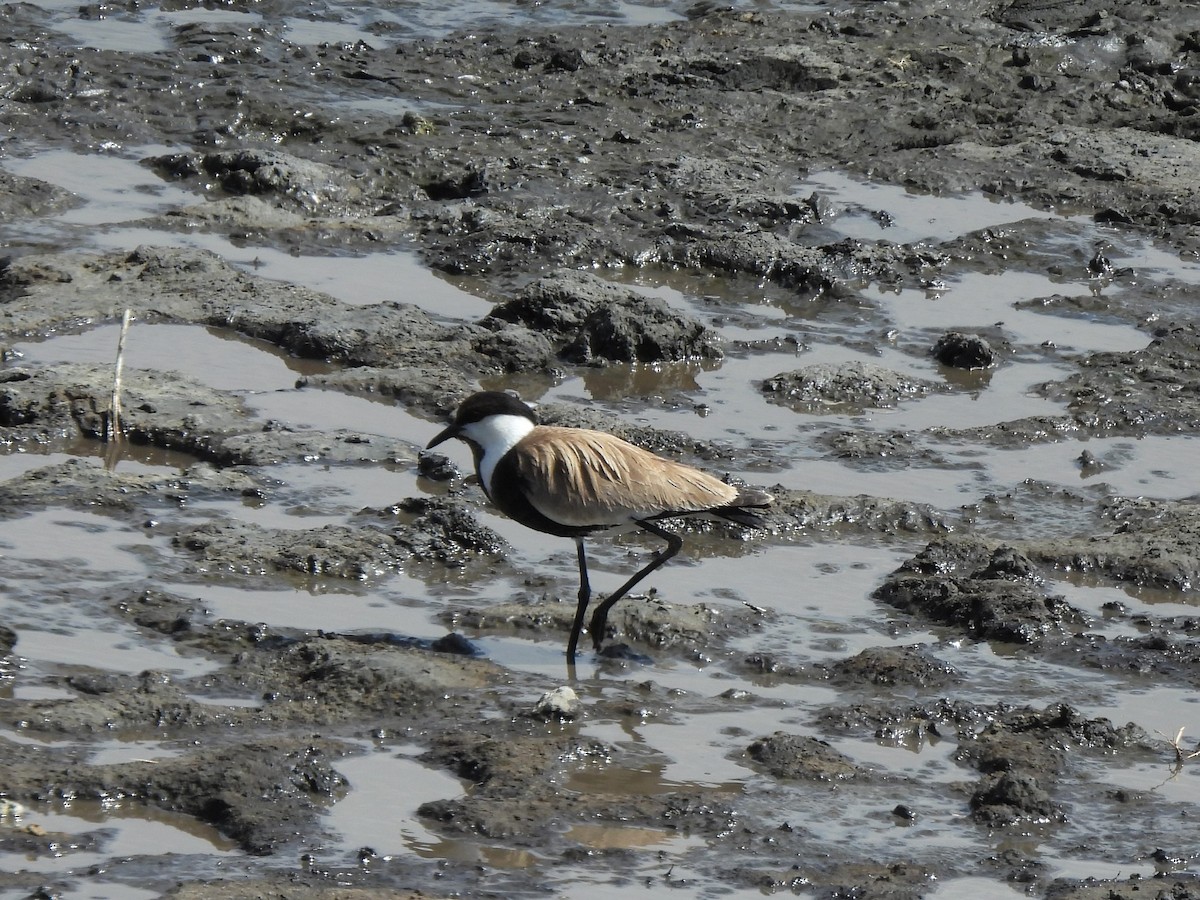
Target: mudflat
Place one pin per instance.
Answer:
(926, 272)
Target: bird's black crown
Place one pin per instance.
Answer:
(479, 406)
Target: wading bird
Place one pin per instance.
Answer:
(574, 482)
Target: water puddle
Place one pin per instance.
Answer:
(400, 606)
(436, 20)
(96, 889)
(117, 189)
(98, 548)
(1174, 783)
(1102, 600)
(37, 692)
(317, 490)
(314, 496)
(696, 751)
(974, 301)
(1159, 466)
(111, 753)
(14, 465)
(976, 888)
(333, 411)
(19, 737)
(219, 358)
(608, 837)
(316, 32)
(120, 832)
(151, 29)
(65, 619)
(924, 759)
(133, 458)
(115, 648)
(1158, 710)
(715, 404)
(111, 188)
(1155, 466)
(357, 280)
(380, 809)
(909, 217)
(147, 30)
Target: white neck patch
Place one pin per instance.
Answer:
(496, 435)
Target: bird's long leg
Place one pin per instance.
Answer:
(600, 616)
(585, 594)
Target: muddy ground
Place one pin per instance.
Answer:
(534, 158)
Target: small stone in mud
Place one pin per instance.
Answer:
(1090, 464)
(1173, 860)
(964, 351)
(436, 467)
(907, 813)
(1099, 265)
(562, 704)
(454, 643)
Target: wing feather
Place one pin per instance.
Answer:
(581, 477)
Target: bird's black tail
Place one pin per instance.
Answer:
(739, 511)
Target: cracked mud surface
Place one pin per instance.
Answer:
(954, 659)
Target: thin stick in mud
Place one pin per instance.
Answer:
(113, 432)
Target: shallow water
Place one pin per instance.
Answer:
(149, 31)
(821, 611)
(219, 358)
(115, 191)
(379, 810)
(123, 835)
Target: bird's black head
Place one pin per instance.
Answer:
(480, 406)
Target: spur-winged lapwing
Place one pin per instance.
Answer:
(574, 482)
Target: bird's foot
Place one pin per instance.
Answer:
(623, 651)
(596, 629)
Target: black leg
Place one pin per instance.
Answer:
(600, 616)
(585, 594)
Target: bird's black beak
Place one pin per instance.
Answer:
(450, 432)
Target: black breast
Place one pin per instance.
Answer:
(508, 494)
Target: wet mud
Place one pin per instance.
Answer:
(954, 662)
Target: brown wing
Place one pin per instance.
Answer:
(581, 477)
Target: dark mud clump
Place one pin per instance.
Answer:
(964, 351)
(990, 593)
(853, 385)
(791, 756)
(593, 320)
(1010, 797)
(897, 666)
